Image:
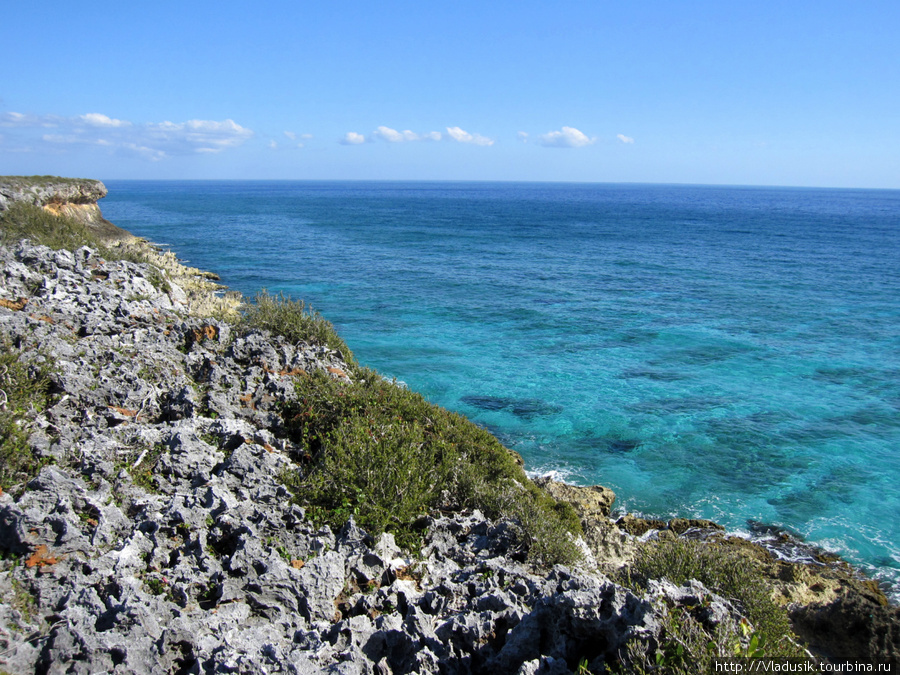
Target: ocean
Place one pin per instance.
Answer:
(730, 353)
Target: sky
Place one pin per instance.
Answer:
(801, 93)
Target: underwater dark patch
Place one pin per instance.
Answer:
(841, 375)
(620, 445)
(525, 408)
(655, 375)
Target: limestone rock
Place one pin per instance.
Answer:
(47, 190)
(851, 628)
(594, 501)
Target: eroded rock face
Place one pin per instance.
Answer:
(850, 627)
(837, 612)
(74, 198)
(611, 547)
(594, 501)
(48, 191)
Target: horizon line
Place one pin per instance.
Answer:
(491, 181)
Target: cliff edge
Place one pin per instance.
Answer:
(74, 198)
(63, 212)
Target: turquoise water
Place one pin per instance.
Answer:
(721, 352)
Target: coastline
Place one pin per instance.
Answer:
(203, 336)
(683, 403)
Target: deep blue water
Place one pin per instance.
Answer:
(722, 352)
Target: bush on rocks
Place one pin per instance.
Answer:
(293, 320)
(27, 221)
(25, 390)
(728, 574)
(384, 454)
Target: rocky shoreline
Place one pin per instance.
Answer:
(159, 538)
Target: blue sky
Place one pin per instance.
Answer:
(757, 93)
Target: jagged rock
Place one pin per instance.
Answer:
(50, 191)
(683, 525)
(707, 607)
(851, 628)
(594, 501)
(638, 526)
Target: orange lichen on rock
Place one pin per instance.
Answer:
(15, 305)
(41, 558)
(123, 411)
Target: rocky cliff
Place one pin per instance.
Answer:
(155, 533)
(50, 190)
(74, 198)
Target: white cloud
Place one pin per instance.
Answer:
(273, 145)
(14, 119)
(522, 136)
(154, 140)
(99, 120)
(567, 137)
(394, 136)
(62, 139)
(11, 119)
(148, 153)
(461, 136)
(390, 135)
(291, 135)
(198, 135)
(353, 138)
(624, 138)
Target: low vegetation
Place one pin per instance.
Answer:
(295, 321)
(384, 454)
(38, 181)
(690, 643)
(27, 221)
(25, 390)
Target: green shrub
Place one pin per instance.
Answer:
(294, 321)
(384, 454)
(27, 221)
(158, 280)
(727, 573)
(25, 389)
